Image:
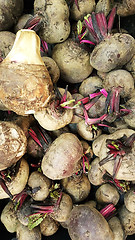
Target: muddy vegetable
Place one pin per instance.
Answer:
(119, 78)
(129, 200)
(96, 172)
(23, 233)
(75, 65)
(123, 167)
(37, 179)
(10, 11)
(116, 228)
(6, 41)
(49, 226)
(54, 117)
(82, 8)
(126, 8)
(18, 182)
(86, 222)
(13, 144)
(90, 85)
(33, 89)
(9, 218)
(127, 220)
(55, 29)
(107, 194)
(78, 187)
(62, 157)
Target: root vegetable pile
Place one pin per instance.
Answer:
(67, 119)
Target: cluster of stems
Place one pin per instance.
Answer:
(95, 27)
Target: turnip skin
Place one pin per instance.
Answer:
(85, 131)
(96, 145)
(75, 65)
(130, 118)
(113, 52)
(55, 17)
(104, 6)
(77, 111)
(127, 168)
(23, 233)
(62, 213)
(96, 172)
(62, 157)
(10, 10)
(116, 228)
(107, 194)
(120, 78)
(9, 218)
(127, 220)
(85, 7)
(130, 66)
(129, 200)
(49, 226)
(37, 179)
(19, 181)
(90, 85)
(53, 119)
(88, 223)
(6, 42)
(126, 8)
(13, 144)
(21, 22)
(78, 187)
(52, 68)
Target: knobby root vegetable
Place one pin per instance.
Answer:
(29, 87)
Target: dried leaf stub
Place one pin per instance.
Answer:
(25, 84)
(12, 144)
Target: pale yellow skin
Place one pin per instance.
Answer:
(90, 85)
(116, 228)
(19, 182)
(86, 132)
(126, 8)
(120, 78)
(85, 7)
(37, 179)
(96, 172)
(55, 17)
(127, 168)
(106, 194)
(129, 200)
(75, 65)
(49, 226)
(9, 218)
(52, 119)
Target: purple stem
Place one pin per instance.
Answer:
(99, 19)
(104, 22)
(87, 41)
(111, 19)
